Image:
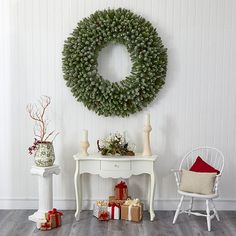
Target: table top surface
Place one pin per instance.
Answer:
(99, 157)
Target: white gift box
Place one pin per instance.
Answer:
(116, 212)
(97, 209)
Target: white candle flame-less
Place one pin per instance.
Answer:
(85, 135)
(146, 136)
(84, 144)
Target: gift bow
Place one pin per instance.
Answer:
(130, 203)
(113, 205)
(134, 202)
(122, 185)
(103, 215)
(102, 203)
(55, 211)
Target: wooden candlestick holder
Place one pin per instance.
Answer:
(146, 140)
(84, 148)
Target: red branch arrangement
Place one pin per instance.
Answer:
(37, 113)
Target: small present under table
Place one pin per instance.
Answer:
(114, 167)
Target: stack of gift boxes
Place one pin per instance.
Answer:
(119, 206)
(52, 220)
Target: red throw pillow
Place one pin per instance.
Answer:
(201, 166)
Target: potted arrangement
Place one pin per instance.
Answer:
(42, 147)
(115, 144)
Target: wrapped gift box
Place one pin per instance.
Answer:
(114, 211)
(98, 207)
(121, 191)
(54, 217)
(103, 215)
(132, 210)
(52, 220)
(45, 226)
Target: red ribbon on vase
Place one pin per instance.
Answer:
(56, 213)
(113, 205)
(122, 185)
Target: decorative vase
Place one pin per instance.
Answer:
(44, 155)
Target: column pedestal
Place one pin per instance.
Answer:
(45, 190)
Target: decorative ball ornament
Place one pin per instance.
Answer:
(148, 56)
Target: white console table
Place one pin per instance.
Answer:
(114, 167)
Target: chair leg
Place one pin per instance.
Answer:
(178, 209)
(208, 216)
(190, 205)
(214, 210)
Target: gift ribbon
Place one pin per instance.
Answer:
(122, 185)
(102, 203)
(52, 212)
(131, 203)
(113, 205)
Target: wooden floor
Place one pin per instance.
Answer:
(15, 223)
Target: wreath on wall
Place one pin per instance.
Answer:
(148, 56)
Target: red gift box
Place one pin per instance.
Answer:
(121, 191)
(45, 226)
(103, 215)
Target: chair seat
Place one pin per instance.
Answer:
(214, 195)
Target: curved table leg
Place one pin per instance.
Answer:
(78, 195)
(152, 190)
(148, 198)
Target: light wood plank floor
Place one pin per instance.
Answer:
(15, 223)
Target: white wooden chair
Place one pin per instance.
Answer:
(213, 157)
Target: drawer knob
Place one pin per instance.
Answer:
(116, 165)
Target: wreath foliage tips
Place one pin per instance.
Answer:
(147, 53)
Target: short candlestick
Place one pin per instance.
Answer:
(84, 148)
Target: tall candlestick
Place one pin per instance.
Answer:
(84, 144)
(146, 136)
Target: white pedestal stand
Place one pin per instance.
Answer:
(45, 190)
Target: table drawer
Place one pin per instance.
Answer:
(142, 167)
(89, 167)
(115, 165)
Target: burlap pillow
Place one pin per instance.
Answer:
(197, 182)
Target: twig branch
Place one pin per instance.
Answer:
(49, 135)
(37, 113)
(55, 137)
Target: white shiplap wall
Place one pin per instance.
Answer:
(197, 105)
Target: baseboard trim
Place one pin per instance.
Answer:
(69, 204)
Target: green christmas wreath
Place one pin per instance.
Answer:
(148, 56)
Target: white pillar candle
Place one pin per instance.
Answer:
(85, 135)
(147, 119)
